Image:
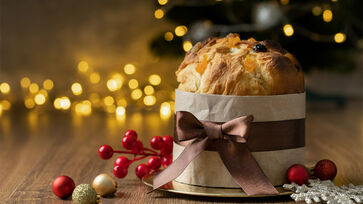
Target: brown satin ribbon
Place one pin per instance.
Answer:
(229, 139)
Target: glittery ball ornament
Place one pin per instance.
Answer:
(104, 184)
(84, 194)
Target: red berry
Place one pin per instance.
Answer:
(119, 171)
(325, 170)
(128, 142)
(154, 162)
(122, 161)
(298, 174)
(168, 145)
(168, 139)
(105, 151)
(166, 160)
(142, 170)
(156, 142)
(138, 148)
(131, 133)
(63, 186)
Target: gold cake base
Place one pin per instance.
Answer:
(181, 188)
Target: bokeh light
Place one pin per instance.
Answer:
(162, 2)
(25, 82)
(187, 45)
(327, 15)
(133, 84)
(154, 79)
(316, 10)
(76, 88)
(4, 88)
(136, 94)
(120, 111)
(83, 66)
(149, 90)
(115, 83)
(108, 100)
(33, 88)
(110, 109)
(122, 102)
(5, 104)
(129, 69)
(48, 84)
(94, 77)
(44, 92)
(168, 36)
(149, 100)
(180, 30)
(62, 103)
(29, 103)
(284, 2)
(39, 99)
(288, 30)
(83, 108)
(95, 99)
(159, 13)
(339, 37)
(165, 110)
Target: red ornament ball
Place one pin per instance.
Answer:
(63, 186)
(128, 142)
(166, 160)
(122, 161)
(105, 152)
(131, 133)
(325, 170)
(156, 142)
(120, 171)
(154, 162)
(298, 174)
(142, 170)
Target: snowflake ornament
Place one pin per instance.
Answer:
(319, 191)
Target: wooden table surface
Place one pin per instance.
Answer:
(36, 147)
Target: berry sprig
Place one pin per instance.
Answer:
(135, 147)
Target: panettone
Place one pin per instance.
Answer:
(230, 66)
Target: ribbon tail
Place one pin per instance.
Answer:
(177, 167)
(244, 169)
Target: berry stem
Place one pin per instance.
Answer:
(150, 150)
(129, 152)
(137, 159)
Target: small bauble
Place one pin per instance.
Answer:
(84, 194)
(104, 184)
(63, 186)
(325, 170)
(298, 174)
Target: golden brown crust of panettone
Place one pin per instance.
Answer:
(230, 66)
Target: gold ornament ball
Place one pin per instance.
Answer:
(84, 194)
(104, 184)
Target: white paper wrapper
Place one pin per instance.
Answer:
(208, 169)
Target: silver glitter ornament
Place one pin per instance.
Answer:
(84, 194)
(318, 191)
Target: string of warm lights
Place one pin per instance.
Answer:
(287, 29)
(121, 90)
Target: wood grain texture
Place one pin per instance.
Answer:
(36, 147)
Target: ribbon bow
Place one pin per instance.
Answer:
(231, 139)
